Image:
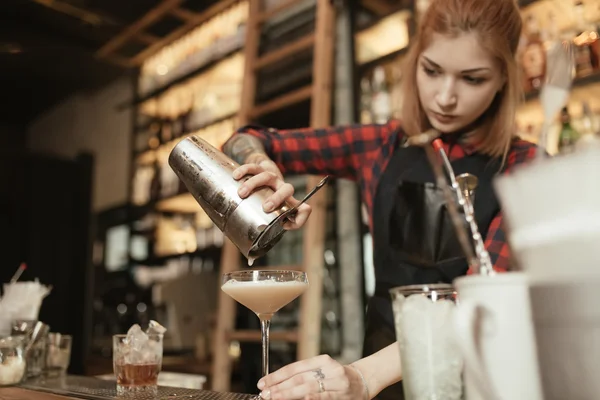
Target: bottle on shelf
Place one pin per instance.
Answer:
(366, 115)
(551, 34)
(586, 43)
(589, 131)
(533, 56)
(381, 103)
(568, 135)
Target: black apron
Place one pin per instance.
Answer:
(414, 241)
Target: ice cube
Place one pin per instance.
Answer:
(431, 361)
(136, 337)
(155, 328)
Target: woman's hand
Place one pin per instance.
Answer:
(319, 377)
(265, 173)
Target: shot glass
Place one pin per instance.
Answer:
(58, 354)
(136, 364)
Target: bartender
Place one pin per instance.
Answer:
(461, 79)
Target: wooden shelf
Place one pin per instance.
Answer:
(577, 83)
(177, 81)
(188, 132)
(286, 51)
(296, 96)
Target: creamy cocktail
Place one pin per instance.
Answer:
(264, 297)
(265, 293)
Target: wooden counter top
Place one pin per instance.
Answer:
(16, 393)
(87, 388)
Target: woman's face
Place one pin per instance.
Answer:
(457, 81)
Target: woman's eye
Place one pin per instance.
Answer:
(473, 80)
(429, 71)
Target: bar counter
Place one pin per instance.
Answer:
(80, 387)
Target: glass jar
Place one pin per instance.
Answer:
(432, 364)
(12, 360)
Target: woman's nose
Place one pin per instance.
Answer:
(446, 95)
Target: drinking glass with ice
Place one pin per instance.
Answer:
(432, 364)
(137, 359)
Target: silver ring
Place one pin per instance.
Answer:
(319, 376)
(321, 386)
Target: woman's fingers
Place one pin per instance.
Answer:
(299, 218)
(264, 178)
(254, 169)
(260, 176)
(292, 369)
(309, 388)
(246, 169)
(283, 192)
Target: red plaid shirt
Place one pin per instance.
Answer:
(361, 153)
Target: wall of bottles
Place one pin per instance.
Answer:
(190, 87)
(547, 23)
(211, 41)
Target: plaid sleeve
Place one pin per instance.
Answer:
(338, 151)
(497, 246)
(521, 152)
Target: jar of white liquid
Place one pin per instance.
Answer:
(12, 360)
(432, 364)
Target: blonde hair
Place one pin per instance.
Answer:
(498, 26)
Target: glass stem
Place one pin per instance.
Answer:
(265, 324)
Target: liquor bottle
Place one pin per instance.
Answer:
(381, 103)
(585, 58)
(552, 33)
(366, 114)
(568, 135)
(534, 56)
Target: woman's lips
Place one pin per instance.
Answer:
(443, 118)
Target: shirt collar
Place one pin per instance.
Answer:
(456, 141)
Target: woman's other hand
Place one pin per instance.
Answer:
(265, 173)
(319, 377)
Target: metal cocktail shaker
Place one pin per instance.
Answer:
(207, 174)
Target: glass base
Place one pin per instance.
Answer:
(136, 390)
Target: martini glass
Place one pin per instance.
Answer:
(264, 293)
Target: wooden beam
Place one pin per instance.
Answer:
(311, 302)
(132, 30)
(118, 60)
(282, 101)
(179, 32)
(288, 50)
(184, 14)
(146, 38)
(230, 256)
(271, 12)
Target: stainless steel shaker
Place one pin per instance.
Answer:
(207, 174)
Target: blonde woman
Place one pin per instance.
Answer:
(461, 79)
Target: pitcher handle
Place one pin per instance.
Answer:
(467, 321)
